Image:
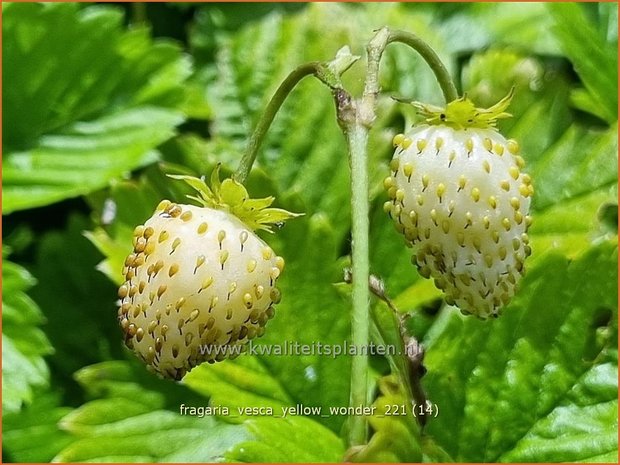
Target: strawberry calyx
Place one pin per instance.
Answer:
(462, 113)
(231, 196)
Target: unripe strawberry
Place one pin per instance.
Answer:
(461, 200)
(198, 278)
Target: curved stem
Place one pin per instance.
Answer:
(441, 73)
(245, 165)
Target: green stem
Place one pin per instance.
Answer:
(441, 73)
(356, 118)
(357, 138)
(138, 13)
(245, 165)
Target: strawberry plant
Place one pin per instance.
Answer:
(152, 196)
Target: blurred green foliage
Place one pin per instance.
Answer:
(23, 343)
(100, 102)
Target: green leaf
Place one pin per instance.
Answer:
(116, 251)
(574, 179)
(594, 57)
(243, 382)
(508, 389)
(133, 421)
(24, 344)
(578, 163)
(157, 436)
(574, 225)
(397, 272)
(136, 418)
(95, 153)
(77, 123)
(291, 439)
(582, 100)
(577, 432)
(80, 307)
(524, 26)
(125, 205)
(32, 434)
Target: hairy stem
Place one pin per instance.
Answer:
(355, 119)
(245, 165)
(357, 138)
(441, 73)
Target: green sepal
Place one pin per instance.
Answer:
(462, 113)
(232, 196)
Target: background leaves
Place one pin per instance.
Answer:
(142, 422)
(593, 55)
(520, 381)
(23, 343)
(538, 384)
(72, 123)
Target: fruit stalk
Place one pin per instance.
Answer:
(285, 88)
(434, 62)
(326, 72)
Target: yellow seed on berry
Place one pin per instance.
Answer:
(398, 139)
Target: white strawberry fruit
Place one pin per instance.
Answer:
(199, 280)
(459, 196)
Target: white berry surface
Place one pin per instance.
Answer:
(461, 200)
(198, 277)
